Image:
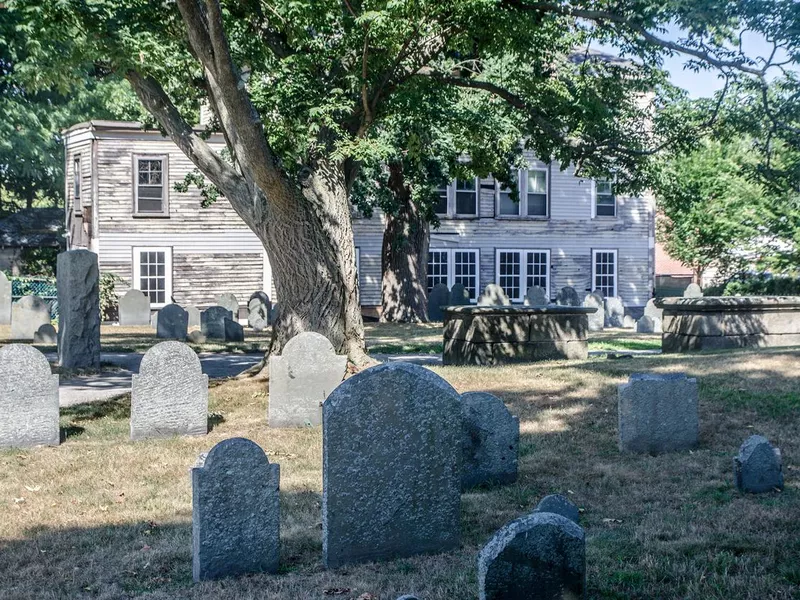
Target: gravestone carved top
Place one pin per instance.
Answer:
(439, 296)
(693, 291)
(134, 309)
(229, 301)
(459, 295)
(27, 315)
(212, 322)
(490, 441)
(560, 505)
(536, 296)
(567, 296)
(758, 466)
(172, 323)
(493, 295)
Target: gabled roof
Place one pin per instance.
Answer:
(33, 228)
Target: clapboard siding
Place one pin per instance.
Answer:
(199, 278)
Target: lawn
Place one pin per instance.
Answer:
(101, 517)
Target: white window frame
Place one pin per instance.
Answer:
(522, 190)
(594, 201)
(137, 261)
(452, 205)
(522, 253)
(451, 268)
(164, 158)
(595, 252)
(358, 266)
(77, 182)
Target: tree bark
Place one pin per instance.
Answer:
(404, 258)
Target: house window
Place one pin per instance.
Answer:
(532, 186)
(604, 272)
(506, 205)
(150, 189)
(441, 201)
(76, 181)
(466, 197)
(605, 202)
(518, 270)
(536, 193)
(454, 266)
(152, 273)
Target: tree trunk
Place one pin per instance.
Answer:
(404, 258)
(697, 276)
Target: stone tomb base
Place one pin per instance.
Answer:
(495, 335)
(719, 323)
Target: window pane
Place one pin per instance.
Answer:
(437, 268)
(509, 274)
(603, 187)
(536, 270)
(466, 203)
(537, 205)
(605, 268)
(604, 210)
(441, 202)
(507, 205)
(465, 271)
(537, 182)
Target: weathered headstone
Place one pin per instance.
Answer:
(567, 296)
(652, 311)
(536, 296)
(439, 296)
(196, 337)
(169, 395)
(194, 316)
(648, 325)
(78, 281)
(212, 322)
(758, 466)
(258, 309)
(658, 413)
(229, 301)
(598, 318)
(615, 311)
(628, 322)
(234, 332)
(559, 505)
(391, 466)
(134, 309)
(46, 334)
(459, 295)
(693, 291)
(493, 295)
(490, 441)
(301, 378)
(235, 512)
(28, 398)
(5, 299)
(541, 556)
(173, 323)
(27, 315)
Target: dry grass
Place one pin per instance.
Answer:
(101, 517)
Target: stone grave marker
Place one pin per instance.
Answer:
(196, 337)
(78, 281)
(536, 296)
(559, 505)
(229, 301)
(154, 321)
(234, 332)
(490, 441)
(567, 296)
(597, 319)
(648, 325)
(439, 296)
(46, 334)
(615, 311)
(391, 439)
(757, 468)
(459, 295)
(173, 323)
(169, 395)
(194, 316)
(628, 322)
(258, 309)
(652, 311)
(27, 315)
(657, 413)
(235, 512)
(212, 322)
(493, 295)
(301, 378)
(28, 398)
(541, 556)
(134, 309)
(693, 291)
(5, 299)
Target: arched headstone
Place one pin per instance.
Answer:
(757, 468)
(652, 311)
(5, 299)
(46, 334)
(258, 309)
(27, 315)
(391, 440)
(134, 309)
(229, 301)
(212, 322)
(648, 325)
(490, 441)
(615, 311)
(493, 295)
(194, 316)
(559, 505)
(28, 398)
(234, 332)
(459, 295)
(693, 291)
(173, 323)
(169, 395)
(536, 296)
(439, 296)
(567, 296)
(597, 319)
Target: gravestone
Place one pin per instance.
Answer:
(459, 295)
(212, 322)
(391, 466)
(490, 441)
(234, 332)
(567, 296)
(28, 398)
(541, 556)
(648, 325)
(652, 311)
(258, 309)
(5, 299)
(598, 318)
(27, 315)
(46, 334)
(173, 323)
(235, 512)
(154, 321)
(194, 316)
(438, 297)
(78, 282)
(196, 337)
(134, 309)
(628, 322)
(229, 301)
(693, 291)
(169, 395)
(615, 311)
(493, 295)
(301, 378)
(657, 413)
(559, 505)
(407, 597)
(536, 296)
(757, 468)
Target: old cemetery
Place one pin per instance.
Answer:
(654, 476)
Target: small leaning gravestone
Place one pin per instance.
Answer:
(459, 295)
(27, 315)
(78, 282)
(173, 323)
(46, 334)
(229, 301)
(235, 511)
(134, 309)
(493, 295)
(536, 296)
(559, 505)
(490, 441)
(439, 296)
(757, 468)
(567, 296)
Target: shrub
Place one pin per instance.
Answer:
(761, 284)
(109, 303)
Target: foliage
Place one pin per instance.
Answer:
(760, 284)
(109, 302)
(44, 287)
(39, 261)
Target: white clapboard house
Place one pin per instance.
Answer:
(122, 204)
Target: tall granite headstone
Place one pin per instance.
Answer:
(235, 512)
(391, 466)
(493, 295)
(258, 309)
(169, 395)
(536, 296)
(5, 299)
(27, 315)
(173, 323)
(301, 378)
(134, 309)
(597, 319)
(212, 322)
(28, 398)
(757, 468)
(541, 556)
(459, 295)
(229, 301)
(439, 296)
(78, 281)
(567, 296)
(490, 441)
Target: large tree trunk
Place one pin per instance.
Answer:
(404, 259)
